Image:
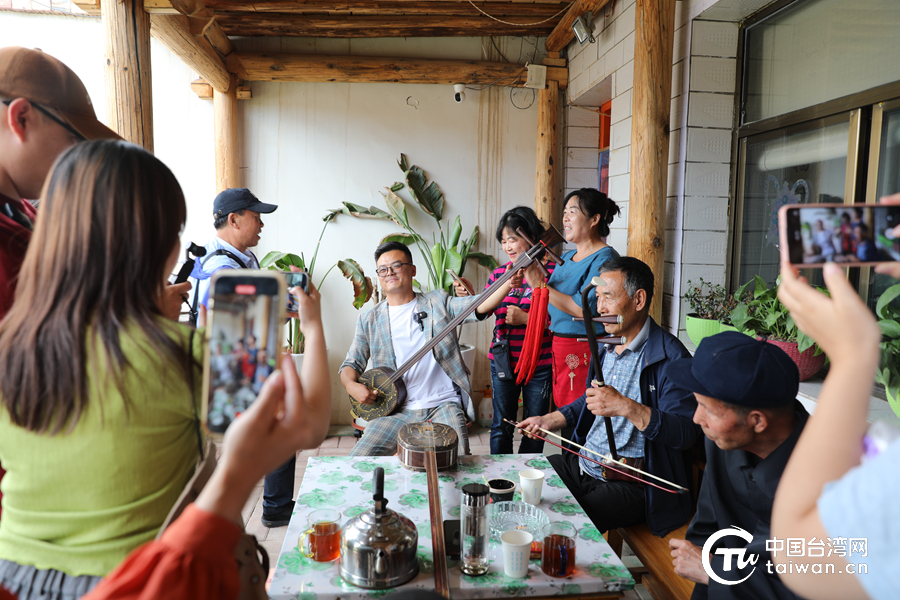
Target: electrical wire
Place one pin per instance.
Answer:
(511, 101)
(521, 24)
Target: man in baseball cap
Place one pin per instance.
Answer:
(44, 109)
(746, 393)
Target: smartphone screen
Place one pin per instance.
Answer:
(244, 342)
(858, 234)
(293, 279)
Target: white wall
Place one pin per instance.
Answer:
(308, 147)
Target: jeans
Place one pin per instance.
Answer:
(278, 489)
(535, 402)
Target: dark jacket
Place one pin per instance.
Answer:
(14, 240)
(738, 491)
(669, 435)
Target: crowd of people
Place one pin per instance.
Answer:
(100, 394)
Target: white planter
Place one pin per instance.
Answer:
(298, 361)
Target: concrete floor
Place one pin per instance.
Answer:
(273, 539)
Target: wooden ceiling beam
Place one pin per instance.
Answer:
(496, 8)
(374, 26)
(377, 69)
(562, 33)
(174, 31)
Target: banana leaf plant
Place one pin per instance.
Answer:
(282, 261)
(888, 373)
(447, 249)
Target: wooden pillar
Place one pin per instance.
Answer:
(654, 30)
(228, 150)
(128, 87)
(546, 204)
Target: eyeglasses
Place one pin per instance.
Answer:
(54, 118)
(383, 271)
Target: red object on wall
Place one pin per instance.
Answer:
(605, 113)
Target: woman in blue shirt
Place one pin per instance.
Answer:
(586, 218)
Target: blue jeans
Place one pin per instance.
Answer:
(535, 402)
(278, 489)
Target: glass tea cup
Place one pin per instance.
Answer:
(558, 552)
(322, 540)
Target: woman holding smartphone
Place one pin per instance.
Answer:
(100, 386)
(511, 320)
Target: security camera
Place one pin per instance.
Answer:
(459, 92)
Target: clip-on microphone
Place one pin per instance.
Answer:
(418, 318)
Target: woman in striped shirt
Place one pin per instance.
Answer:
(511, 319)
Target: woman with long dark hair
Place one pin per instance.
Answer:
(100, 385)
(512, 316)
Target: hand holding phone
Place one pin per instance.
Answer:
(293, 279)
(848, 234)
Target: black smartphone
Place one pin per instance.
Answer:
(292, 279)
(451, 538)
(246, 315)
(848, 234)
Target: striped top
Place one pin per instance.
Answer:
(516, 333)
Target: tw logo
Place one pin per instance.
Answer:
(727, 554)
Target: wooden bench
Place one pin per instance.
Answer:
(657, 572)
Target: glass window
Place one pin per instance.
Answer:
(789, 166)
(888, 182)
(818, 50)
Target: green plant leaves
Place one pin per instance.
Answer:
(409, 239)
(428, 195)
(362, 285)
(397, 208)
(485, 260)
(882, 308)
(281, 261)
(889, 328)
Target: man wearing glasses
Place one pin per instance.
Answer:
(437, 386)
(44, 109)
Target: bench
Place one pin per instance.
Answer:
(657, 573)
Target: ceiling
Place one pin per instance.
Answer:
(391, 18)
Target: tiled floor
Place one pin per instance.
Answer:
(273, 539)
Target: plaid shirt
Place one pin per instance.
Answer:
(372, 339)
(622, 372)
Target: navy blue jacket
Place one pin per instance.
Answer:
(667, 438)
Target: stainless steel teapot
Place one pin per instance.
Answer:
(378, 547)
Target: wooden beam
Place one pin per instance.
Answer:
(376, 69)
(174, 31)
(374, 26)
(91, 7)
(228, 150)
(497, 8)
(562, 34)
(655, 29)
(546, 204)
(128, 89)
(202, 88)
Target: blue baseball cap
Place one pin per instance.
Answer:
(235, 199)
(738, 369)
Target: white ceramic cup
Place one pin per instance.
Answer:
(516, 552)
(532, 482)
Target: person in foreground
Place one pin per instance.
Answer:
(825, 493)
(437, 386)
(100, 386)
(651, 415)
(194, 558)
(747, 406)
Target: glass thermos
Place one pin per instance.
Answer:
(474, 531)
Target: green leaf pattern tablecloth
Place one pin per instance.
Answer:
(346, 484)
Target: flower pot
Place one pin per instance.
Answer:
(298, 361)
(698, 328)
(807, 362)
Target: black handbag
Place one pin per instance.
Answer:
(502, 361)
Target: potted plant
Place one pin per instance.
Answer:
(712, 307)
(282, 261)
(888, 373)
(448, 249)
(763, 315)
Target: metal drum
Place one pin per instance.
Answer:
(415, 438)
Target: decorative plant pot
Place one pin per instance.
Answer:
(807, 362)
(698, 328)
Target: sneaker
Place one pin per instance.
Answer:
(278, 519)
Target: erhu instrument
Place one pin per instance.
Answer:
(389, 383)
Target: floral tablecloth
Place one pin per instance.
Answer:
(346, 483)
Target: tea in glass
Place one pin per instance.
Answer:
(323, 535)
(558, 552)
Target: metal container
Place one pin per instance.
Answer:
(414, 439)
(474, 532)
(378, 547)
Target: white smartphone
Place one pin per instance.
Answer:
(243, 347)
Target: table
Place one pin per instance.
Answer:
(346, 483)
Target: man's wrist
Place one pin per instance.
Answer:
(639, 415)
